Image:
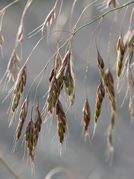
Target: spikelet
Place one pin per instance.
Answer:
(56, 84)
(129, 39)
(37, 123)
(100, 61)
(69, 81)
(110, 89)
(112, 2)
(53, 95)
(131, 42)
(47, 22)
(100, 94)
(12, 69)
(29, 139)
(19, 87)
(107, 81)
(22, 117)
(120, 55)
(20, 35)
(61, 122)
(1, 39)
(86, 117)
(57, 65)
(61, 72)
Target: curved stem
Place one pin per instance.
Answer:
(10, 4)
(59, 170)
(103, 15)
(46, 65)
(91, 3)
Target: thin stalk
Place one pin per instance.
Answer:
(59, 170)
(9, 5)
(8, 168)
(103, 15)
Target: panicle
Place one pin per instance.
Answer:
(22, 118)
(100, 94)
(61, 122)
(19, 87)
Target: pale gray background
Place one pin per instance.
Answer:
(83, 159)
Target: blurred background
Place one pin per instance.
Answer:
(83, 159)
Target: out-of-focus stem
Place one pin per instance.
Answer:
(8, 168)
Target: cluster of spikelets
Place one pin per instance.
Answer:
(106, 86)
(62, 78)
(32, 133)
(124, 64)
(32, 130)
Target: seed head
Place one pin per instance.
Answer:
(38, 123)
(86, 117)
(100, 61)
(29, 139)
(22, 117)
(61, 122)
(57, 65)
(100, 94)
(19, 87)
(69, 81)
(120, 55)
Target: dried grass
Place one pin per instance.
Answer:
(62, 77)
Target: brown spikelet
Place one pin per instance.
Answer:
(53, 94)
(120, 55)
(57, 65)
(100, 94)
(69, 81)
(38, 123)
(111, 95)
(1, 39)
(108, 84)
(86, 117)
(110, 89)
(112, 2)
(100, 61)
(29, 139)
(61, 122)
(56, 84)
(60, 74)
(22, 117)
(19, 87)
(107, 81)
